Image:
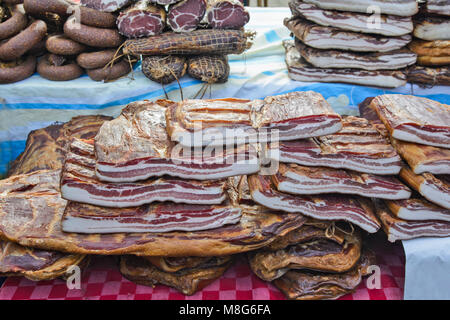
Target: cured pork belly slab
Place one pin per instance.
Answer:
(135, 146)
(425, 75)
(390, 25)
(324, 207)
(321, 37)
(432, 28)
(396, 7)
(290, 116)
(391, 60)
(300, 70)
(434, 188)
(308, 285)
(188, 281)
(400, 229)
(441, 7)
(36, 265)
(31, 209)
(358, 146)
(417, 209)
(303, 180)
(414, 119)
(79, 183)
(320, 254)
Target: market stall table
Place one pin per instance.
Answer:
(35, 103)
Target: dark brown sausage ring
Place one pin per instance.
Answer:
(110, 73)
(60, 44)
(65, 72)
(97, 59)
(19, 72)
(18, 45)
(92, 36)
(16, 23)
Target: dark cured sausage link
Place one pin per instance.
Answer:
(12, 2)
(61, 45)
(15, 24)
(110, 73)
(63, 72)
(64, 9)
(92, 36)
(18, 45)
(95, 60)
(19, 72)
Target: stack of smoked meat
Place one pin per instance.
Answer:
(432, 44)
(179, 36)
(362, 42)
(179, 189)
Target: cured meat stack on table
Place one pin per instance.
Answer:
(349, 41)
(419, 130)
(432, 44)
(176, 37)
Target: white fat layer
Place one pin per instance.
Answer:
(322, 186)
(208, 137)
(388, 26)
(433, 32)
(236, 169)
(394, 8)
(376, 167)
(80, 195)
(436, 196)
(368, 80)
(411, 137)
(276, 204)
(400, 233)
(422, 215)
(386, 64)
(355, 44)
(443, 168)
(86, 225)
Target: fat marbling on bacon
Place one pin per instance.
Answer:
(322, 207)
(397, 228)
(296, 179)
(434, 188)
(290, 116)
(358, 146)
(135, 146)
(417, 209)
(79, 183)
(390, 25)
(414, 119)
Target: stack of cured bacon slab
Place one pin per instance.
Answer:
(419, 129)
(178, 189)
(361, 42)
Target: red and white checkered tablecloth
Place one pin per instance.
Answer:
(102, 280)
